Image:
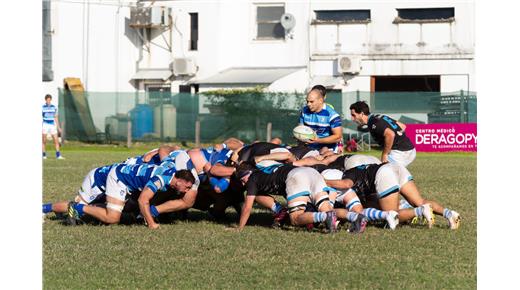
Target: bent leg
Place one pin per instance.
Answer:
(109, 215)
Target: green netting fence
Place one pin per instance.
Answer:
(246, 114)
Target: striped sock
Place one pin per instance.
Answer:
(418, 211)
(352, 203)
(373, 214)
(318, 217)
(47, 207)
(276, 208)
(352, 216)
(446, 213)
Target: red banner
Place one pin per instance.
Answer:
(443, 137)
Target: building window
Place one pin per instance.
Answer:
(425, 15)
(268, 20)
(342, 16)
(194, 31)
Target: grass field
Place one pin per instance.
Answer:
(200, 253)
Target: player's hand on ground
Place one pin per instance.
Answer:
(233, 228)
(154, 226)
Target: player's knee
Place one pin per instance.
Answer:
(113, 219)
(322, 203)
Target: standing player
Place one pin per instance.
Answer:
(50, 125)
(322, 118)
(387, 132)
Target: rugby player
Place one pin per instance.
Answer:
(299, 185)
(384, 183)
(92, 190)
(349, 205)
(322, 118)
(388, 133)
(124, 180)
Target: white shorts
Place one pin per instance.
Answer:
(360, 159)
(390, 178)
(279, 150)
(304, 181)
(49, 129)
(313, 153)
(88, 191)
(402, 157)
(115, 188)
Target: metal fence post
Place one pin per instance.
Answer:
(197, 133)
(269, 131)
(62, 133)
(129, 132)
(461, 106)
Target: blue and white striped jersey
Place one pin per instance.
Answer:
(321, 122)
(136, 177)
(48, 113)
(101, 174)
(220, 156)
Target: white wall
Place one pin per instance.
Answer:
(89, 43)
(227, 39)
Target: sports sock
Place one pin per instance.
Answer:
(154, 211)
(403, 204)
(418, 211)
(352, 203)
(79, 208)
(318, 217)
(446, 213)
(47, 207)
(276, 208)
(373, 214)
(44, 154)
(58, 154)
(352, 216)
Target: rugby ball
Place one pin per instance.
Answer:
(304, 133)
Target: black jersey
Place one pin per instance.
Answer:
(300, 150)
(249, 152)
(339, 163)
(364, 178)
(377, 125)
(274, 183)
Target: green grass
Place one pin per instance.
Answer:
(200, 253)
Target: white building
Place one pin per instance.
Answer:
(192, 45)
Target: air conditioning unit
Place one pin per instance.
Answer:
(349, 64)
(183, 66)
(149, 16)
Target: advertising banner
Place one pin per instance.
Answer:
(443, 137)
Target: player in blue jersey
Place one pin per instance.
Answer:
(150, 157)
(92, 190)
(50, 126)
(322, 118)
(388, 133)
(124, 180)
